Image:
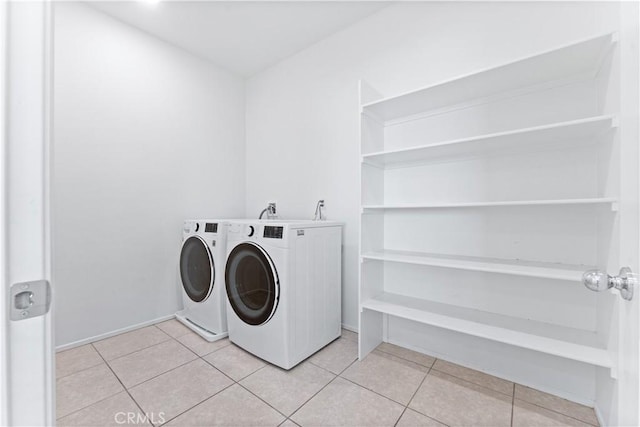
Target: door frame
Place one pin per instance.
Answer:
(27, 367)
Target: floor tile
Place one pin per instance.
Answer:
(453, 401)
(234, 406)
(129, 342)
(235, 362)
(528, 415)
(288, 423)
(112, 411)
(349, 335)
(557, 404)
(411, 418)
(150, 362)
(180, 389)
(76, 359)
(286, 391)
(343, 403)
(402, 361)
(173, 328)
(387, 377)
(79, 390)
(337, 356)
(200, 346)
(405, 353)
(476, 377)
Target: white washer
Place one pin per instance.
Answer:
(201, 268)
(283, 281)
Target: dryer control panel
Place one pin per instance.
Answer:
(271, 232)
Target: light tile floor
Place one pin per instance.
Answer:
(166, 374)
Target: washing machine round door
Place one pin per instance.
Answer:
(252, 283)
(197, 270)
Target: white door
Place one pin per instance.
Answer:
(26, 345)
(629, 311)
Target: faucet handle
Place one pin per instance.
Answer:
(318, 215)
(271, 210)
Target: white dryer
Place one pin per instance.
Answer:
(283, 281)
(201, 265)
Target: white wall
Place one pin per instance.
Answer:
(146, 136)
(303, 137)
(302, 114)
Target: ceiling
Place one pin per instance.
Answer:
(244, 37)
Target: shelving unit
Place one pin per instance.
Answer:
(557, 271)
(582, 59)
(573, 132)
(433, 159)
(559, 341)
(594, 201)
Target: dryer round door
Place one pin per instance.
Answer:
(252, 283)
(197, 270)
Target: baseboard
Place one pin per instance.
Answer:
(138, 326)
(113, 333)
(350, 328)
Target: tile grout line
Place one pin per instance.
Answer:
(325, 386)
(181, 365)
(169, 337)
(160, 374)
(416, 392)
(104, 361)
(198, 357)
(556, 412)
(233, 381)
(309, 399)
(412, 396)
(473, 383)
(409, 360)
(123, 386)
(238, 382)
(549, 409)
(199, 403)
(373, 391)
(432, 367)
(264, 401)
(155, 376)
(211, 352)
(81, 370)
(331, 372)
(85, 407)
(139, 350)
(513, 402)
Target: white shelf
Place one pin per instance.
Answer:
(556, 340)
(572, 273)
(580, 58)
(591, 201)
(555, 135)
